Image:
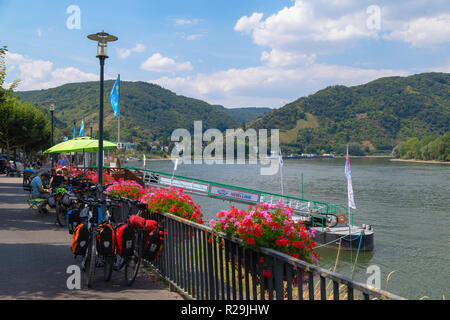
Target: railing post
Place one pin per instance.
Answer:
(288, 270)
(311, 285)
(323, 291)
(300, 283)
(202, 269)
(261, 281)
(335, 290)
(170, 256)
(247, 255)
(232, 253)
(212, 290)
(227, 268)
(270, 286)
(278, 273)
(221, 267)
(239, 266)
(253, 263)
(349, 292)
(197, 263)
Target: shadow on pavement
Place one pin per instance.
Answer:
(38, 271)
(35, 254)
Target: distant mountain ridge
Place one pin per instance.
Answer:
(372, 117)
(148, 112)
(245, 114)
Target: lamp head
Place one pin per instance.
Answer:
(52, 105)
(102, 39)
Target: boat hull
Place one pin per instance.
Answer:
(357, 239)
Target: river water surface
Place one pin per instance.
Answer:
(408, 205)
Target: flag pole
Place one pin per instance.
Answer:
(302, 185)
(281, 174)
(118, 116)
(281, 171)
(174, 169)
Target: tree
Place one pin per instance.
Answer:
(409, 149)
(429, 148)
(21, 125)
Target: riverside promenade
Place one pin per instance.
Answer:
(35, 254)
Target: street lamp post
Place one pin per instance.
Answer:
(52, 109)
(91, 123)
(102, 39)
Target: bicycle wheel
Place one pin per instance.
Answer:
(60, 214)
(108, 268)
(91, 261)
(133, 262)
(119, 262)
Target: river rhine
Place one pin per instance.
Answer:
(408, 205)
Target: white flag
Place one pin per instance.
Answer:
(348, 174)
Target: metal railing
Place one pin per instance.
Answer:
(297, 204)
(206, 265)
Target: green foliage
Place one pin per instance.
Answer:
(245, 115)
(21, 125)
(371, 118)
(148, 113)
(381, 113)
(428, 148)
(3, 51)
(24, 126)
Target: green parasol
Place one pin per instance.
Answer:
(82, 144)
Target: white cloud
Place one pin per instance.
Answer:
(277, 58)
(39, 32)
(247, 24)
(37, 74)
(182, 22)
(301, 27)
(442, 68)
(294, 38)
(423, 31)
(158, 63)
(36, 69)
(125, 53)
(192, 37)
(269, 86)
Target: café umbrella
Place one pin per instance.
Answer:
(81, 144)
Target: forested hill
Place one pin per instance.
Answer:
(373, 117)
(148, 112)
(245, 115)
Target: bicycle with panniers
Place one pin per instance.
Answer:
(93, 237)
(122, 240)
(132, 236)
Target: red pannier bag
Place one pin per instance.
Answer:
(137, 222)
(125, 235)
(106, 239)
(150, 225)
(153, 243)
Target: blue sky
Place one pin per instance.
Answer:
(244, 53)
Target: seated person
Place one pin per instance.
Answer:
(57, 180)
(27, 173)
(37, 189)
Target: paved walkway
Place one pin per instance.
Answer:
(35, 254)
